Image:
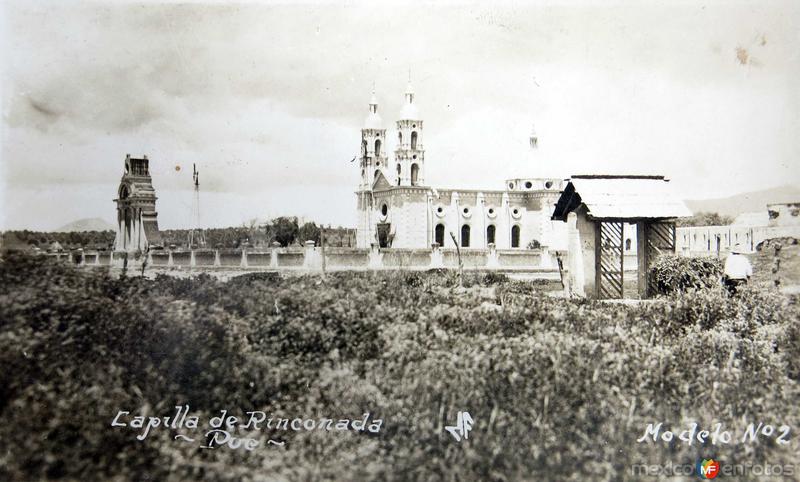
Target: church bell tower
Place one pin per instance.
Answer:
(410, 154)
(373, 146)
(372, 161)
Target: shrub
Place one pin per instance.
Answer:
(674, 273)
(492, 278)
(547, 381)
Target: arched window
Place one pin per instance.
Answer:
(378, 148)
(628, 244)
(490, 234)
(414, 174)
(515, 236)
(399, 171)
(414, 139)
(438, 234)
(399, 139)
(364, 148)
(465, 236)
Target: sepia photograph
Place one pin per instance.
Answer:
(551, 240)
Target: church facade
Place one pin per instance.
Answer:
(397, 209)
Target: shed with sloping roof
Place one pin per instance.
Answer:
(596, 208)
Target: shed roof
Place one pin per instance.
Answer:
(621, 197)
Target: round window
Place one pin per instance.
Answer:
(548, 184)
(516, 211)
(439, 209)
(384, 210)
(511, 185)
(414, 126)
(528, 185)
(466, 210)
(415, 156)
(491, 210)
(378, 163)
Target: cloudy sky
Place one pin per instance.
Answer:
(268, 99)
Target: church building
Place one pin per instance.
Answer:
(398, 209)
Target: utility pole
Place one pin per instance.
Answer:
(196, 234)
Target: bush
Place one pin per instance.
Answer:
(674, 273)
(547, 381)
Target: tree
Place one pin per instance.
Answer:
(706, 219)
(309, 232)
(284, 230)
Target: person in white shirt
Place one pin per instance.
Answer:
(737, 270)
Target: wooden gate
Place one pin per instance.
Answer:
(609, 259)
(660, 239)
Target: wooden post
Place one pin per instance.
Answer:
(460, 264)
(598, 253)
(641, 258)
(622, 259)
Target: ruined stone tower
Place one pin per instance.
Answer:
(137, 223)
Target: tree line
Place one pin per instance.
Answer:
(284, 230)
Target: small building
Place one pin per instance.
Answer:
(596, 209)
(784, 214)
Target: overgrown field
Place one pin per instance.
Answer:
(558, 389)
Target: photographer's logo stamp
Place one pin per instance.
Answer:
(462, 427)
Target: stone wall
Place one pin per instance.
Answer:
(310, 259)
(713, 240)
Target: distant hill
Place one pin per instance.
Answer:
(746, 202)
(88, 224)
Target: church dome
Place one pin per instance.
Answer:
(373, 121)
(409, 112)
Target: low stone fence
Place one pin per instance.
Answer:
(310, 259)
(718, 240)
